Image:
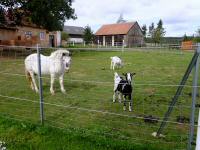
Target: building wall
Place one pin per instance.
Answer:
(6, 34)
(75, 38)
(134, 36)
(32, 36)
(29, 36)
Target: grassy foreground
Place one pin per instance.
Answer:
(81, 112)
(26, 136)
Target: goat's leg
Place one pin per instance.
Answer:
(33, 83)
(130, 102)
(124, 100)
(32, 86)
(120, 97)
(114, 96)
(113, 65)
(52, 82)
(62, 84)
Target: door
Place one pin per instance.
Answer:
(51, 41)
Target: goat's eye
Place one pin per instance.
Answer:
(63, 54)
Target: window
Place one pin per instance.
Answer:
(42, 35)
(28, 34)
(19, 38)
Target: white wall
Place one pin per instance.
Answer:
(76, 40)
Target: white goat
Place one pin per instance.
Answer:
(53, 65)
(115, 62)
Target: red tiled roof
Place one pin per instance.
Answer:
(113, 29)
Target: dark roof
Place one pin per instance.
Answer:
(114, 29)
(7, 27)
(74, 30)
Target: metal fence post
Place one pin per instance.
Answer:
(194, 95)
(198, 134)
(123, 46)
(178, 92)
(198, 127)
(40, 87)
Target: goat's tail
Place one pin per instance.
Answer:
(28, 76)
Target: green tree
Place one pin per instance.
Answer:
(2, 16)
(151, 30)
(49, 14)
(185, 38)
(196, 39)
(144, 30)
(159, 32)
(198, 32)
(88, 35)
(64, 36)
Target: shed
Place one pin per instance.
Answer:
(127, 34)
(75, 33)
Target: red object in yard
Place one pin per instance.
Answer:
(187, 45)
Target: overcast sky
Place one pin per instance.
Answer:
(179, 16)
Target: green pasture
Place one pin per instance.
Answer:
(87, 110)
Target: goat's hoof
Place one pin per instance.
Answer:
(124, 108)
(63, 91)
(130, 109)
(52, 92)
(114, 101)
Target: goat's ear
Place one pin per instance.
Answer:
(132, 74)
(124, 74)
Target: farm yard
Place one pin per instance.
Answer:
(87, 105)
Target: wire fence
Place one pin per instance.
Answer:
(87, 104)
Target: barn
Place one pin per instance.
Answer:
(128, 34)
(75, 33)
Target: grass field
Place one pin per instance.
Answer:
(87, 109)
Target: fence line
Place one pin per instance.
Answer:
(141, 49)
(144, 115)
(91, 110)
(109, 83)
(155, 126)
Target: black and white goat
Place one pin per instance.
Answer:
(123, 88)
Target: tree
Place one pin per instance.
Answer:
(151, 30)
(64, 36)
(196, 39)
(159, 32)
(45, 13)
(144, 30)
(185, 38)
(121, 19)
(88, 35)
(198, 32)
(2, 16)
